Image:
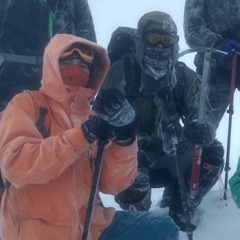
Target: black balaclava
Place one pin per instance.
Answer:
(156, 60)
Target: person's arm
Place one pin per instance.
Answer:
(83, 20)
(25, 157)
(119, 168)
(234, 184)
(196, 32)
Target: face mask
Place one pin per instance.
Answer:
(156, 61)
(75, 75)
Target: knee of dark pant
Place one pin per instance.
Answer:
(213, 154)
(138, 193)
(143, 160)
(134, 200)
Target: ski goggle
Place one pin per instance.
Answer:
(156, 38)
(85, 53)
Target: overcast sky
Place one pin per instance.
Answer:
(110, 14)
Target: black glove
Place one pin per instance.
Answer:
(113, 107)
(200, 133)
(170, 140)
(95, 128)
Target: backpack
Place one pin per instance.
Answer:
(43, 122)
(122, 42)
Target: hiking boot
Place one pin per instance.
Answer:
(179, 220)
(167, 195)
(165, 202)
(176, 212)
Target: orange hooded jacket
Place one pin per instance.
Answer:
(51, 178)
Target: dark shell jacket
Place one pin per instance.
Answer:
(208, 21)
(153, 112)
(29, 20)
(25, 29)
(154, 118)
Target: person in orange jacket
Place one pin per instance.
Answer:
(49, 179)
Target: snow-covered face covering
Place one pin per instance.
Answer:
(75, 75)
(156, 60)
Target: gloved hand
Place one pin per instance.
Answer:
(95, 128)
(170, 140)
(200, 133)
(115, 119)
(229, 46)
(113, 107)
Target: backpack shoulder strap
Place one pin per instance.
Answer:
(178, 95)
(4, 6)
(70, 4)
(180, 68)
(42, 113)
(132, 72)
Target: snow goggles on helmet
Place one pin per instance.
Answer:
(156, 38)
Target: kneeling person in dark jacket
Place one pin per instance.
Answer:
(163, 92)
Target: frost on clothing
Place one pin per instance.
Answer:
(160, 104)
(51, 178)
(214, 23)
(205, 20)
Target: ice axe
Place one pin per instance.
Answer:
(173, 141)
(197, 157)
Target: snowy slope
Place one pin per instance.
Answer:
(215, 220)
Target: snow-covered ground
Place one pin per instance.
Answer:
(216, 219)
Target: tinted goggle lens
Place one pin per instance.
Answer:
(156, 38)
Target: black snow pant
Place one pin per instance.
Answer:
(162, 172)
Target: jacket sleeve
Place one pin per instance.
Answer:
(196, 32)
(25, 157)
(119, 168)
(234, 184)
(83, 20)
(192, 94)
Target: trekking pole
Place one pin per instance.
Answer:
(182, 186)
(230, 111)
(197, 157)
(99, 159)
